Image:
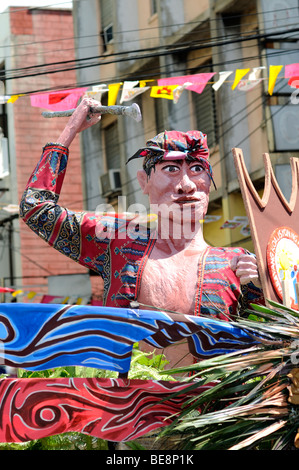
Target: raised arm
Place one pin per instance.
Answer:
(69, 232)
(80, 120)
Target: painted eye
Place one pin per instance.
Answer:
(171, 168)
(197, 168)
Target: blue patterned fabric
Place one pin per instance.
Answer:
(43, 336)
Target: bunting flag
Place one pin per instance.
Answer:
(292, 72)
(111, 409)
(130, 91)
(17, 292)
(4, 99)
(31, 295)
(222, 78)
(143, 83)
(127, 87)
(43, 336)
(179, 90)
(6, 290)
(163, 91)
(239, 74)
(238, 221)
(97, 92)
(169, 88)
(112, 93)
(197, 81)
(13, 98)
(252, 81)
(273, 74)
(58, 100)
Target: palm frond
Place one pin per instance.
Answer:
(249, 404)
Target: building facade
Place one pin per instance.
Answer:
(147, 40)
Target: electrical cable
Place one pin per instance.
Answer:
(178, 48)
(227, 36)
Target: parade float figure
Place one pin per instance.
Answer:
(170, 268)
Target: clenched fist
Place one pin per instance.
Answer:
(245, 267)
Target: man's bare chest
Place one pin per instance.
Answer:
(170, 282)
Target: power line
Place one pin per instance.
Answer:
(208, 29)
(142, 75)
(155, 73)
(171, 49)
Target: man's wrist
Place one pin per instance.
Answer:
(55, 144)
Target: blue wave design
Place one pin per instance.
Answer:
(43, 336)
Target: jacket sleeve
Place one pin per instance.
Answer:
(72, 233)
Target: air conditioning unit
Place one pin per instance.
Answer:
(4, 163)
(110, 182)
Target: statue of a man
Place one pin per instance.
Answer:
(170, 268)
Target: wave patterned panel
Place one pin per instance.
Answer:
(44, 336)
(111, 409)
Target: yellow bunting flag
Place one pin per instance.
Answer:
(238, 76)
(31, 295)
(273, 74)
(143, 83)
(17, 292)
(112, 93)
(13, 98)
(163, 91)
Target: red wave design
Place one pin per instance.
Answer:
(111, 409)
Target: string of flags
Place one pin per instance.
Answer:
(170, 88)
(30, 295)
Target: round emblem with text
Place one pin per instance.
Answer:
(283, 261)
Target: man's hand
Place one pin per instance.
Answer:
(245, 267)
(80, 120)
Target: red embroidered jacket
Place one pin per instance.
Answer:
(121, 256)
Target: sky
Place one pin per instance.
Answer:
(33, 3)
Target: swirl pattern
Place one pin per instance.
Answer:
(43, 336)
(111, 409)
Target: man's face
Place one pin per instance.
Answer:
(180, 190)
